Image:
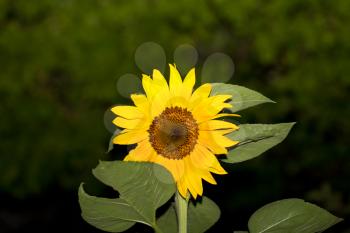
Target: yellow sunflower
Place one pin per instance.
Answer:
(177, 128)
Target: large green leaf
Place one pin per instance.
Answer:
(242, 97)
(145, 186)
(201, 216)
(112, 215)
(291, 215)
(254, 139)
(142, 187)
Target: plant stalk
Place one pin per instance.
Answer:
(181, 212)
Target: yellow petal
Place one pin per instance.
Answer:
(131, 156)
(198, 184)
(216, 138)
(220, 98)
(182, 187)
(191, 189)
(188, 83)
(159, 80)
(225, 115)
(216, 168)
(209, 107)
(190, 79)
(225, 131)
(207, 112)
(131, 137)
(199, 94)
(175, 82)
(128, 112)
(143, 152)
(130, 123)
(217, 124)
(223, 140)
(198, 159)
(141, 102)
(212, 164)
(160, 101)
(180, 169)
(175, 167)
(206, 175)
(179, 101)
(193, 178)
(207, 139)
(201, 157)
(170, 165)
(147, 85)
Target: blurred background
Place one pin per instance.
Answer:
(60, 61)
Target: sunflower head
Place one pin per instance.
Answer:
(174, 133)
(177, 128)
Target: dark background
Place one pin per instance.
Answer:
(60, 61)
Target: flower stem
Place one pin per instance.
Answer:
(181, 211)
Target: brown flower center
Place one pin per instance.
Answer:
(174, 133)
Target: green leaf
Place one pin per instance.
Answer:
(168, 221)
(242, 97)
(291, 215)
(201, 216)
(145, 186)
(142, 187)
(255, 139)
(112, 215)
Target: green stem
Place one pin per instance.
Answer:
(181, 211)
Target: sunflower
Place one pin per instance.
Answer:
(177, 128)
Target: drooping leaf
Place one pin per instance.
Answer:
(202, 215)
(142, 187)
(255, 139)
(242, 97)
(291, 215)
